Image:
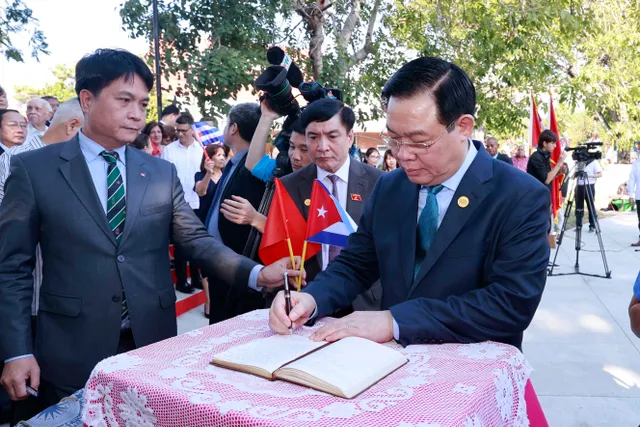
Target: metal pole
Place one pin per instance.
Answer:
(156, 46)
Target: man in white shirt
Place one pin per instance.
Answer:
(13, 130)
(633, 186)
(38, 112)
(186, 154)
(593, 172)
(328, 125)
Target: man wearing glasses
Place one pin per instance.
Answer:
(458, 241)
(13, 130)
(328, 125)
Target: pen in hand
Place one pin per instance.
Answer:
(32, 392)
(287, 299)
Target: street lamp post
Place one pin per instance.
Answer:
(156, 47)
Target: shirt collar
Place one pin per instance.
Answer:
(238, 156)
(496, 156)
(91, 149)
(342, 173)
(4, 147)
(453, 182)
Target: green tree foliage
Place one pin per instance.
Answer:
(62, 88)
(17, 18)
(508, 48)
(219, 47)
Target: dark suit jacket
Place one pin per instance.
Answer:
(245, 185)
(50, 199)
(362, 179)
(505, 158)
(482, 278)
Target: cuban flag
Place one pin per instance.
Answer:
(208, 134)
(327, 223)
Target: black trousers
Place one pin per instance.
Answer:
(50, 394)
(580, 198)
(180, 262)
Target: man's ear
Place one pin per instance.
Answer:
(73, 126)
(86, 99)
(466, 124)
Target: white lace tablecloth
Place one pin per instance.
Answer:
(172, 383)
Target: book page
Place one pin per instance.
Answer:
(351, 364)
(269, 353)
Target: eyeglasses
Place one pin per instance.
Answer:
(16, 125)
(414, 147)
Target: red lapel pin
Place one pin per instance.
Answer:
(356, 197)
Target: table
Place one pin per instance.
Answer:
(172, 383)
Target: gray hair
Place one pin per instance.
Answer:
(68, 110)
(42, 102)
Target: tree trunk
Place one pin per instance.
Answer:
(314, 17)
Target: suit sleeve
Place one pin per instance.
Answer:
(354, 270)
(507, 304)
(508, 160)
(213, 256)
(19, 234)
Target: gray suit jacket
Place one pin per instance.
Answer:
(50, 199)
(362, 179)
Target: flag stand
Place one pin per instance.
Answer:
(304, 255)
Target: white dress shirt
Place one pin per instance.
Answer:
(591, 169)
(187, 161)
(633, 184)
(342, 183)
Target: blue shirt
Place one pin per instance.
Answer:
(98, 166)
(263, 170)
(213, 222)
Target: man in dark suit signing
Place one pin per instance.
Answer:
(328, 125)
(492, 148)
(458, 240)
(103, 214)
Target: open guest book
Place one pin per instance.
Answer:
(344, 368)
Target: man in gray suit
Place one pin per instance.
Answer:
(103, 215)
(328, 125)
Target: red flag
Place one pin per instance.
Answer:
(283, 222)
(536, 124)
(556, 195)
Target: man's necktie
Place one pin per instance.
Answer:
(427, 226)
(116, 205)
(334, 250)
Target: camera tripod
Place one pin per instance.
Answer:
(571, 197)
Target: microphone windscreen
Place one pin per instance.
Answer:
(275, 55)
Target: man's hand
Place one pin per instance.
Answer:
(272, 276)
(15, 375)
(267, 112)
(373, 325)
(563, 156)
(239, 211)
(302, 307)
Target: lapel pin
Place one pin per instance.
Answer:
(307, 202)
(356, 197)
(463, 202)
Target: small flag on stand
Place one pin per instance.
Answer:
(284, 231)
(328, 223)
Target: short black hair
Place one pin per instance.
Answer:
(547, 136)
(451, 88)
(98, 70)
(185, 119)
(324, 109)
(170, 109)
(246, 116)
(49, 97)
(141, 142)
(296, 126)
(5, 111)
(2, 91)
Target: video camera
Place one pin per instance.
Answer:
(585, 153)
(276, 82)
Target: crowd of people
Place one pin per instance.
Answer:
(92, 195)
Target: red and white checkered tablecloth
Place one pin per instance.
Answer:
(172, 383)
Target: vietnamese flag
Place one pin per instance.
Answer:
(556, 195)
(284, 222)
